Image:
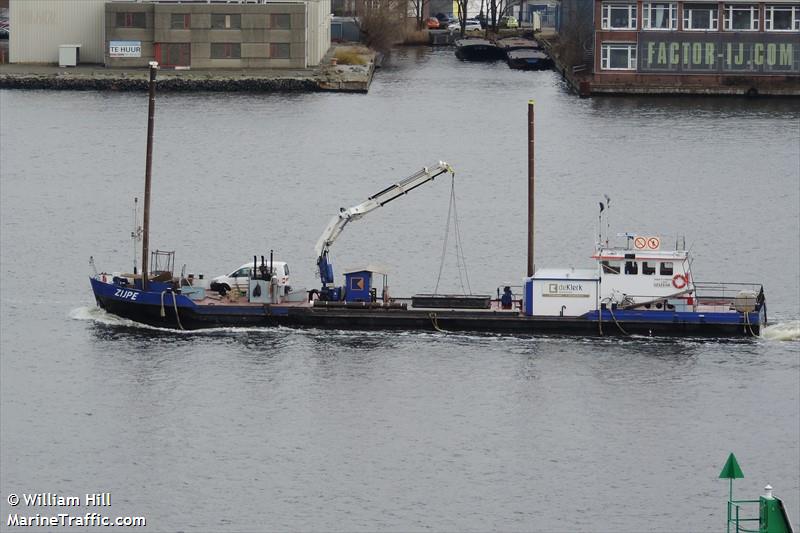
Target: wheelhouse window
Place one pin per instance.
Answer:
(741, 17)
(226, 51)
(648, 269)
(280, 21)
(180, 21)
(225, 22)
(131, 20)
(660, 16)
(666, 269)
(279, 50)
(782, 17)
(700, 17)
(631, 267)
(610, 267)
(619, 17)
(618, 57)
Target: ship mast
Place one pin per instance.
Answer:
(531, 187)
(147, 173)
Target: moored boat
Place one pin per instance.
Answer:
(478, 50)
(528, 59)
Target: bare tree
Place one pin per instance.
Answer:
(462, 15)
(419, 11)
(496, 8)
(382, 22)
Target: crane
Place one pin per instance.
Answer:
(345, 216)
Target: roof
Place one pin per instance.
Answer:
(371, 267)
(566, 273)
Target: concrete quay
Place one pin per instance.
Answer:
(328, 76)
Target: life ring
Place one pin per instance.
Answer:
(679, 281)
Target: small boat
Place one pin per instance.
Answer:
(636, 287)
(478, 50)
(528, 59)
(508, 44)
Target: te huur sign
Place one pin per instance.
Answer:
(721, 53)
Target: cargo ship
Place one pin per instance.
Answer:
(635, 287)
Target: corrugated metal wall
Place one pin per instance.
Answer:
(38, 27)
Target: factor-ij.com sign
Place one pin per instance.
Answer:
(720, 53)
(125, 48)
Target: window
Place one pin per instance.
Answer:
(660, 16)
(286, 270)
(618, 57)
(782, 18)
(280, 21)
(226, 50)
(279, 50)
(131, 20)
(173, 54)
(241, 273)
(741, 17)
(225, 22)
(631, 267)
(610, 267)
(619, 17)
(666, 269)
(700, 17)
(647, 269)
(180, 21)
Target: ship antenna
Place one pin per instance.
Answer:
(600, 225)
(608, 221)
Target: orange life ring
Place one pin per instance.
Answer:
(679, 281)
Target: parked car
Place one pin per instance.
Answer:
(471, 25)
(445, 20)
(433, 23)
(509, 22)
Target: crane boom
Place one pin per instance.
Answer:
(379, 199)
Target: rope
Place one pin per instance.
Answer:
(452, 212)
(600, 321)
(435, 323)
(175, 305)
(162, 304)
(617, 323)
(748, 327)
(444, 244)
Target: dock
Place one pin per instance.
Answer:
(328, 76)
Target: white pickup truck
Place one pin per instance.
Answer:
(240, 278)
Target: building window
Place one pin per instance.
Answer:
(660, 16)
(226, 51)
(782, 18)
(131, 20)
(173, 54)
(280, 21)
(279, 50)
(618, 57)
(741, 17)
(619, 17)
(180, 21)
(225, 22)
(700, 17)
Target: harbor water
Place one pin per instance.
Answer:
(236, 430)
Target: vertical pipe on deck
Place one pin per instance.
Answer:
(147, 173)
(531, 186)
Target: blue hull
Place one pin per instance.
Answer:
(157, 307)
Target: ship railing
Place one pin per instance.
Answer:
(735, 520)
(721, 293)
